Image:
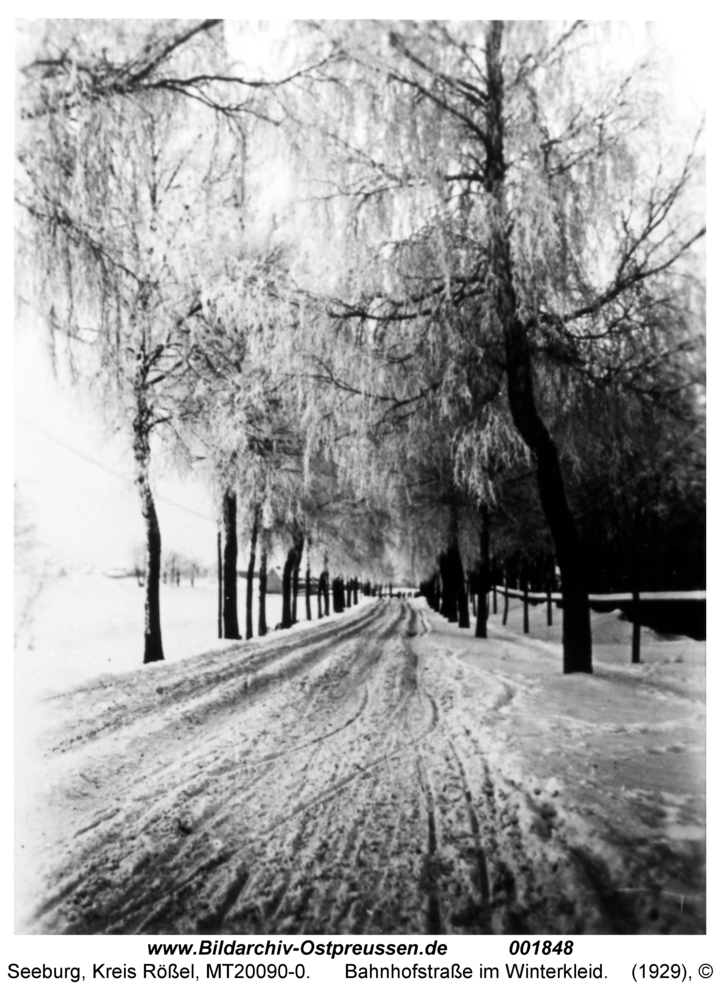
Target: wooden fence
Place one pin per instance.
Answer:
(676, 612)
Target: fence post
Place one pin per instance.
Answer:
(548, 587)
(636, 627)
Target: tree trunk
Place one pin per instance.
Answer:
(153, 650)
(549, 581)
(308, 609)
(230, 610)
(262, 586)
(287, 578)
(463, 606)
(153, 647)
(219, 575)
(448, 603)
(526, 602)
(457, 572)
(484, 574)
(250, 575)
(507, 599)
(577, 640)
(299, 546)
(338, 595)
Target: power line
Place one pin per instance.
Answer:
(106, 468)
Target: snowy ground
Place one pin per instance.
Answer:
(380, 772)
(87, 624)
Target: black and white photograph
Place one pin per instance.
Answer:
(359, 478)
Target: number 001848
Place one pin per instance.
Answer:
(541, 947)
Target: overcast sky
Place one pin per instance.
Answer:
(76, 481)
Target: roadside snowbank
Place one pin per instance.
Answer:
(613, 762)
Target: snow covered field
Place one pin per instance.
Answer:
(90, 624)
(382, 771)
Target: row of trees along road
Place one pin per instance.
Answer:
(378, 293)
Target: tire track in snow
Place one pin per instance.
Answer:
(247, 705)
(325, 801)
(279, 793)
(429, 875)
(96, 843)
(215, 815)
(481, 872)
(177, 686)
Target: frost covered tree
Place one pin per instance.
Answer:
(490, 224)
(113, 174)
(131, 132)
(243, 413)
(509, 190)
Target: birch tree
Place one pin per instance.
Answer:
(129, 139)
(104, 214)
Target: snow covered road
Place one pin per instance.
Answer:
(380, 772)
